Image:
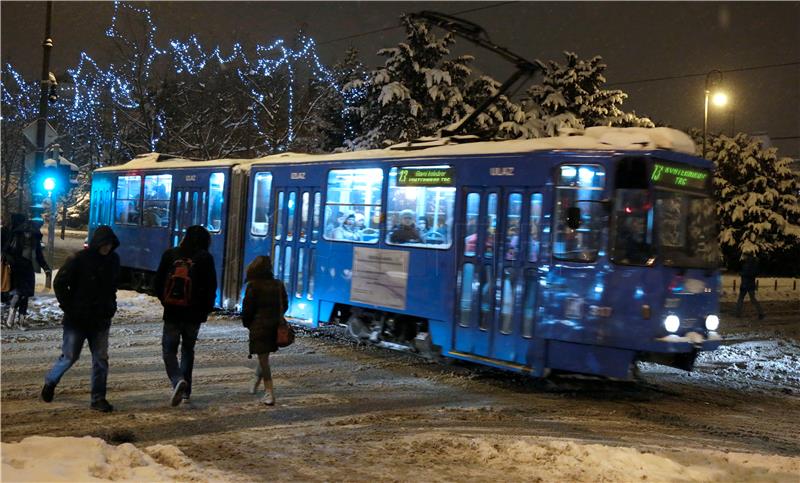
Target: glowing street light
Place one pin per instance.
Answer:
(719, 99)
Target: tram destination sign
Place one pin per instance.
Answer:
(425, 177)
(679, 176)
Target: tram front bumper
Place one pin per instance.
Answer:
(690, 341)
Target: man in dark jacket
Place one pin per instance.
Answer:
(748, 285)
(86, 289)
(22, 249)
(183, 313)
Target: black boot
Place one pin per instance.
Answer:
(48, 391)
(103, 406)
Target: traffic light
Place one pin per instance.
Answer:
(50, 181)
(58, 176)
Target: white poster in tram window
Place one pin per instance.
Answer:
(380, 277)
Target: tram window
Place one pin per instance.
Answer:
(632, 228)
(316, 218)
(353, 205)
(279, 216)
(491, 226)
(197, 208)
(513, 222)
(128, 204)
(216, 190)
(473, 211)
(580, 191)
(287, 268)
(300, 253)
(155, 208)
(179, 196)
(686, 229)
(507, 307)
(261, 197)
(290, 206)
(420, 216)
(310, 294)
(304, 216)
(487, 297)
(529, 305)
(277, 265)
(534, 225)
(467, 291)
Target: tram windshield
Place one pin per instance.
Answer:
(673, 221)
(686, 229)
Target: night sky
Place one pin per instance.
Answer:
(638, 41)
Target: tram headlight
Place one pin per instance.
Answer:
(712, 322)
(671, 323)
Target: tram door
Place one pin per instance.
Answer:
(495, 253)
(296, 232)
(189, 205)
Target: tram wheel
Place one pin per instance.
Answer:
(358, 328)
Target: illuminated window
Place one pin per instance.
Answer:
(262, 187)
(155, 209)
(216, 199)
(261, 196)
(353, 205)
(420, 206)
(580, 214)
(129, 200)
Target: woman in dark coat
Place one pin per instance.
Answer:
(265, 302)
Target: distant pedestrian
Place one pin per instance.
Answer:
(23, 252)
(264, 304)
(86, 289)
(748, 285)
(186, 284)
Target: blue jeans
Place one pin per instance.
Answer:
(185, 335)
(71, 351)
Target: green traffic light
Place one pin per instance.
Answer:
(49, 184)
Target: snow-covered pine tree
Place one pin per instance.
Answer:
(503, 119)
(757, 199)
(418, 90)
(571, 96)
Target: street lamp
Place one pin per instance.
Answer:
(719, 99)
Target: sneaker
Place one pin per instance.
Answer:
(268, 399)
(103, 406)
(48, 391)
(177, 393)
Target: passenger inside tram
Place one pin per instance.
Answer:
(347, 230)
(406, 231)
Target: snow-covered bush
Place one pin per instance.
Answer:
(758, 201)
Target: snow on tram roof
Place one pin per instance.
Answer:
(592, 139)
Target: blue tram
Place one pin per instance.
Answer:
(581, 254)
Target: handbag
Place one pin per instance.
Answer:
(6, 277)
(285, 334)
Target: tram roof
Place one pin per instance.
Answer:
(592, 139)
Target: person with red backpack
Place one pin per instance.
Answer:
(186, 284)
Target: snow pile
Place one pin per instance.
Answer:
(769, 361)
(525, 458)
(764, 366)
(40, 458)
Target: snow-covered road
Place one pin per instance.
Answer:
(367, 414)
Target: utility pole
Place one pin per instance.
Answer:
(37, 194)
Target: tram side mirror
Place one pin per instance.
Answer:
(573, 217)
